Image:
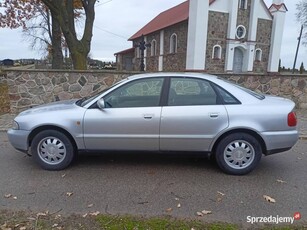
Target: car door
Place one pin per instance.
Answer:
(193, 117)
(130, 119)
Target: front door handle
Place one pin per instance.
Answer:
(148, 116)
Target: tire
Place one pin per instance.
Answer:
(238, 153)
(52, 150)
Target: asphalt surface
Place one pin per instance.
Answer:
(154, 185)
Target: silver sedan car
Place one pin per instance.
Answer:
(161, 112)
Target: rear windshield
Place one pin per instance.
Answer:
(251, 92)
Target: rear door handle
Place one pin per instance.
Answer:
(214, 115)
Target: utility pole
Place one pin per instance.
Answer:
(298, 46)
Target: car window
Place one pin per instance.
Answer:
(185, 91)
(139, 93)
(228, 99)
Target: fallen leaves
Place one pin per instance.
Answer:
(42, 213)
(203, 212)
(69, 194)
(220, 196)
(91, 214)
(7, 196)
(269, 199)
(281, 181)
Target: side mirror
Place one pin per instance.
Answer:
(101, 104)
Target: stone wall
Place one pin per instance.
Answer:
(288, 86)
(4, 96)
(27, 88)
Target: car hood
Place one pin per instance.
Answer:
(54, 106)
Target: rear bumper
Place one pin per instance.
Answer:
(280, 141)
(19, 139)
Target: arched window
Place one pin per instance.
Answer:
(153, 48)
(217, 52)
(258, 55)
(243, 4)
(173, 44)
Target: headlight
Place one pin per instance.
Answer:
(15, 125)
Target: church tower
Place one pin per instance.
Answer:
(197, 34)
(278, 9)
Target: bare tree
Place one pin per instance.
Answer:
(63, 11)
(39, 27)
(301, 16)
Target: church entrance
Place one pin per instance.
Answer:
(238, 60)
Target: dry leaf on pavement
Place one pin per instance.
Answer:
(94, 213)
(200, 214)
(69, 194)
(281, 181)
(8, 195)
(205, 212)
(169, 209)
(269, 199)
(220, 193)
(90, 205)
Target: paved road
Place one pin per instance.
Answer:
(151, 184)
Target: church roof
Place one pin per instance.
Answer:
(167, 18)
(278, 7)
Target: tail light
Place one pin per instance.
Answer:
(292, 120)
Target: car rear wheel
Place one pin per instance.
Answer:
(238, 153)
(52, 150)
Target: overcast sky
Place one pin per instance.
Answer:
(117, 20)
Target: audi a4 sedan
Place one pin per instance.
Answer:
(161, 112)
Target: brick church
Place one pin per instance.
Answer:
(216, 36)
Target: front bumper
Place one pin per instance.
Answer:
(19, 139)
(279, 141)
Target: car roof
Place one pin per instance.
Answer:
(173, 74)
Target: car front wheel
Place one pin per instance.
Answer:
(238, 153)
(52, 150)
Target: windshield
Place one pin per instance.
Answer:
(85, 100)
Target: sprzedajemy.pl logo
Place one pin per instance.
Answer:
(273, 219)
